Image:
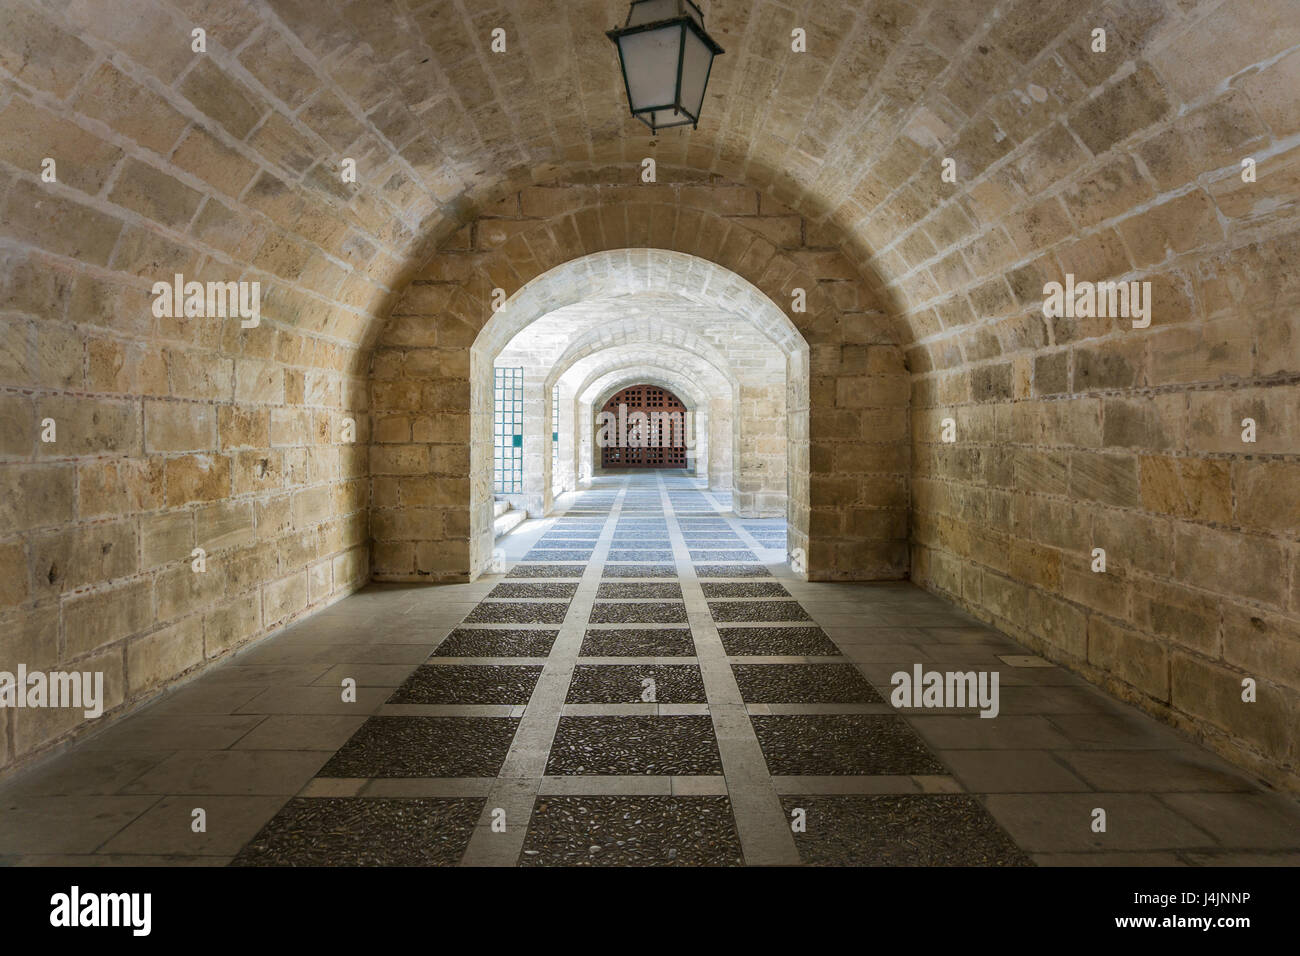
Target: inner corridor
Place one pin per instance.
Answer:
(646, 684)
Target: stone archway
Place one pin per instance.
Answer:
(849, 403)
(568, 343)
(707, 392)
(627, 273)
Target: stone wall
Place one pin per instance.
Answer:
(1081, 433)
(761, 451)
(172, 434)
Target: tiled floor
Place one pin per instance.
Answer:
(647, 685)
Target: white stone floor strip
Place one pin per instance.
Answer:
(765, 836)
(525, 764)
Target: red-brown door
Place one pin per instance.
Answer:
(654, 438)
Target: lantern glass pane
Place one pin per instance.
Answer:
(651, 11)
(650, 64)
(695, 72)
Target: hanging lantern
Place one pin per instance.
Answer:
(666, 58)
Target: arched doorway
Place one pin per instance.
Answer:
(643, 296)
(644, 426)
(634, 310)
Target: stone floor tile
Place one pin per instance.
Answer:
(1012, 771)
(1242, 820)
(542, 570)
(497, 642)
(167, 828)
(626, 683)
(548, 590)
(638, 571)
(783, 640)
(634, 745)
(83, 772)
(834, 744)
(1063, 823)
(1158, 771)
(732, 611)
(315, 700)
(647, 589)
(971, 732)
(658, 612)
(632, 831)
(230, 772)
(502, 612)
(326, 732)
(359, 831)
(743, 589)
(424, 747)
(145, 731)
(472, 684)
(638, 642)
(365, 675)
(803, 683)
(66, 824)
(900, 830)
(732, 571)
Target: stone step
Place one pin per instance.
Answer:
(499, 507)
(507, 522)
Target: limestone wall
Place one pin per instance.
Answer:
(129, 439)
(1081, 433)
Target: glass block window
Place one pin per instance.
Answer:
(508, 431)
(556, 483)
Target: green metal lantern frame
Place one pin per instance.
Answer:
(685, 22)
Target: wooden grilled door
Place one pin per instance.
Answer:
(666, 444)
